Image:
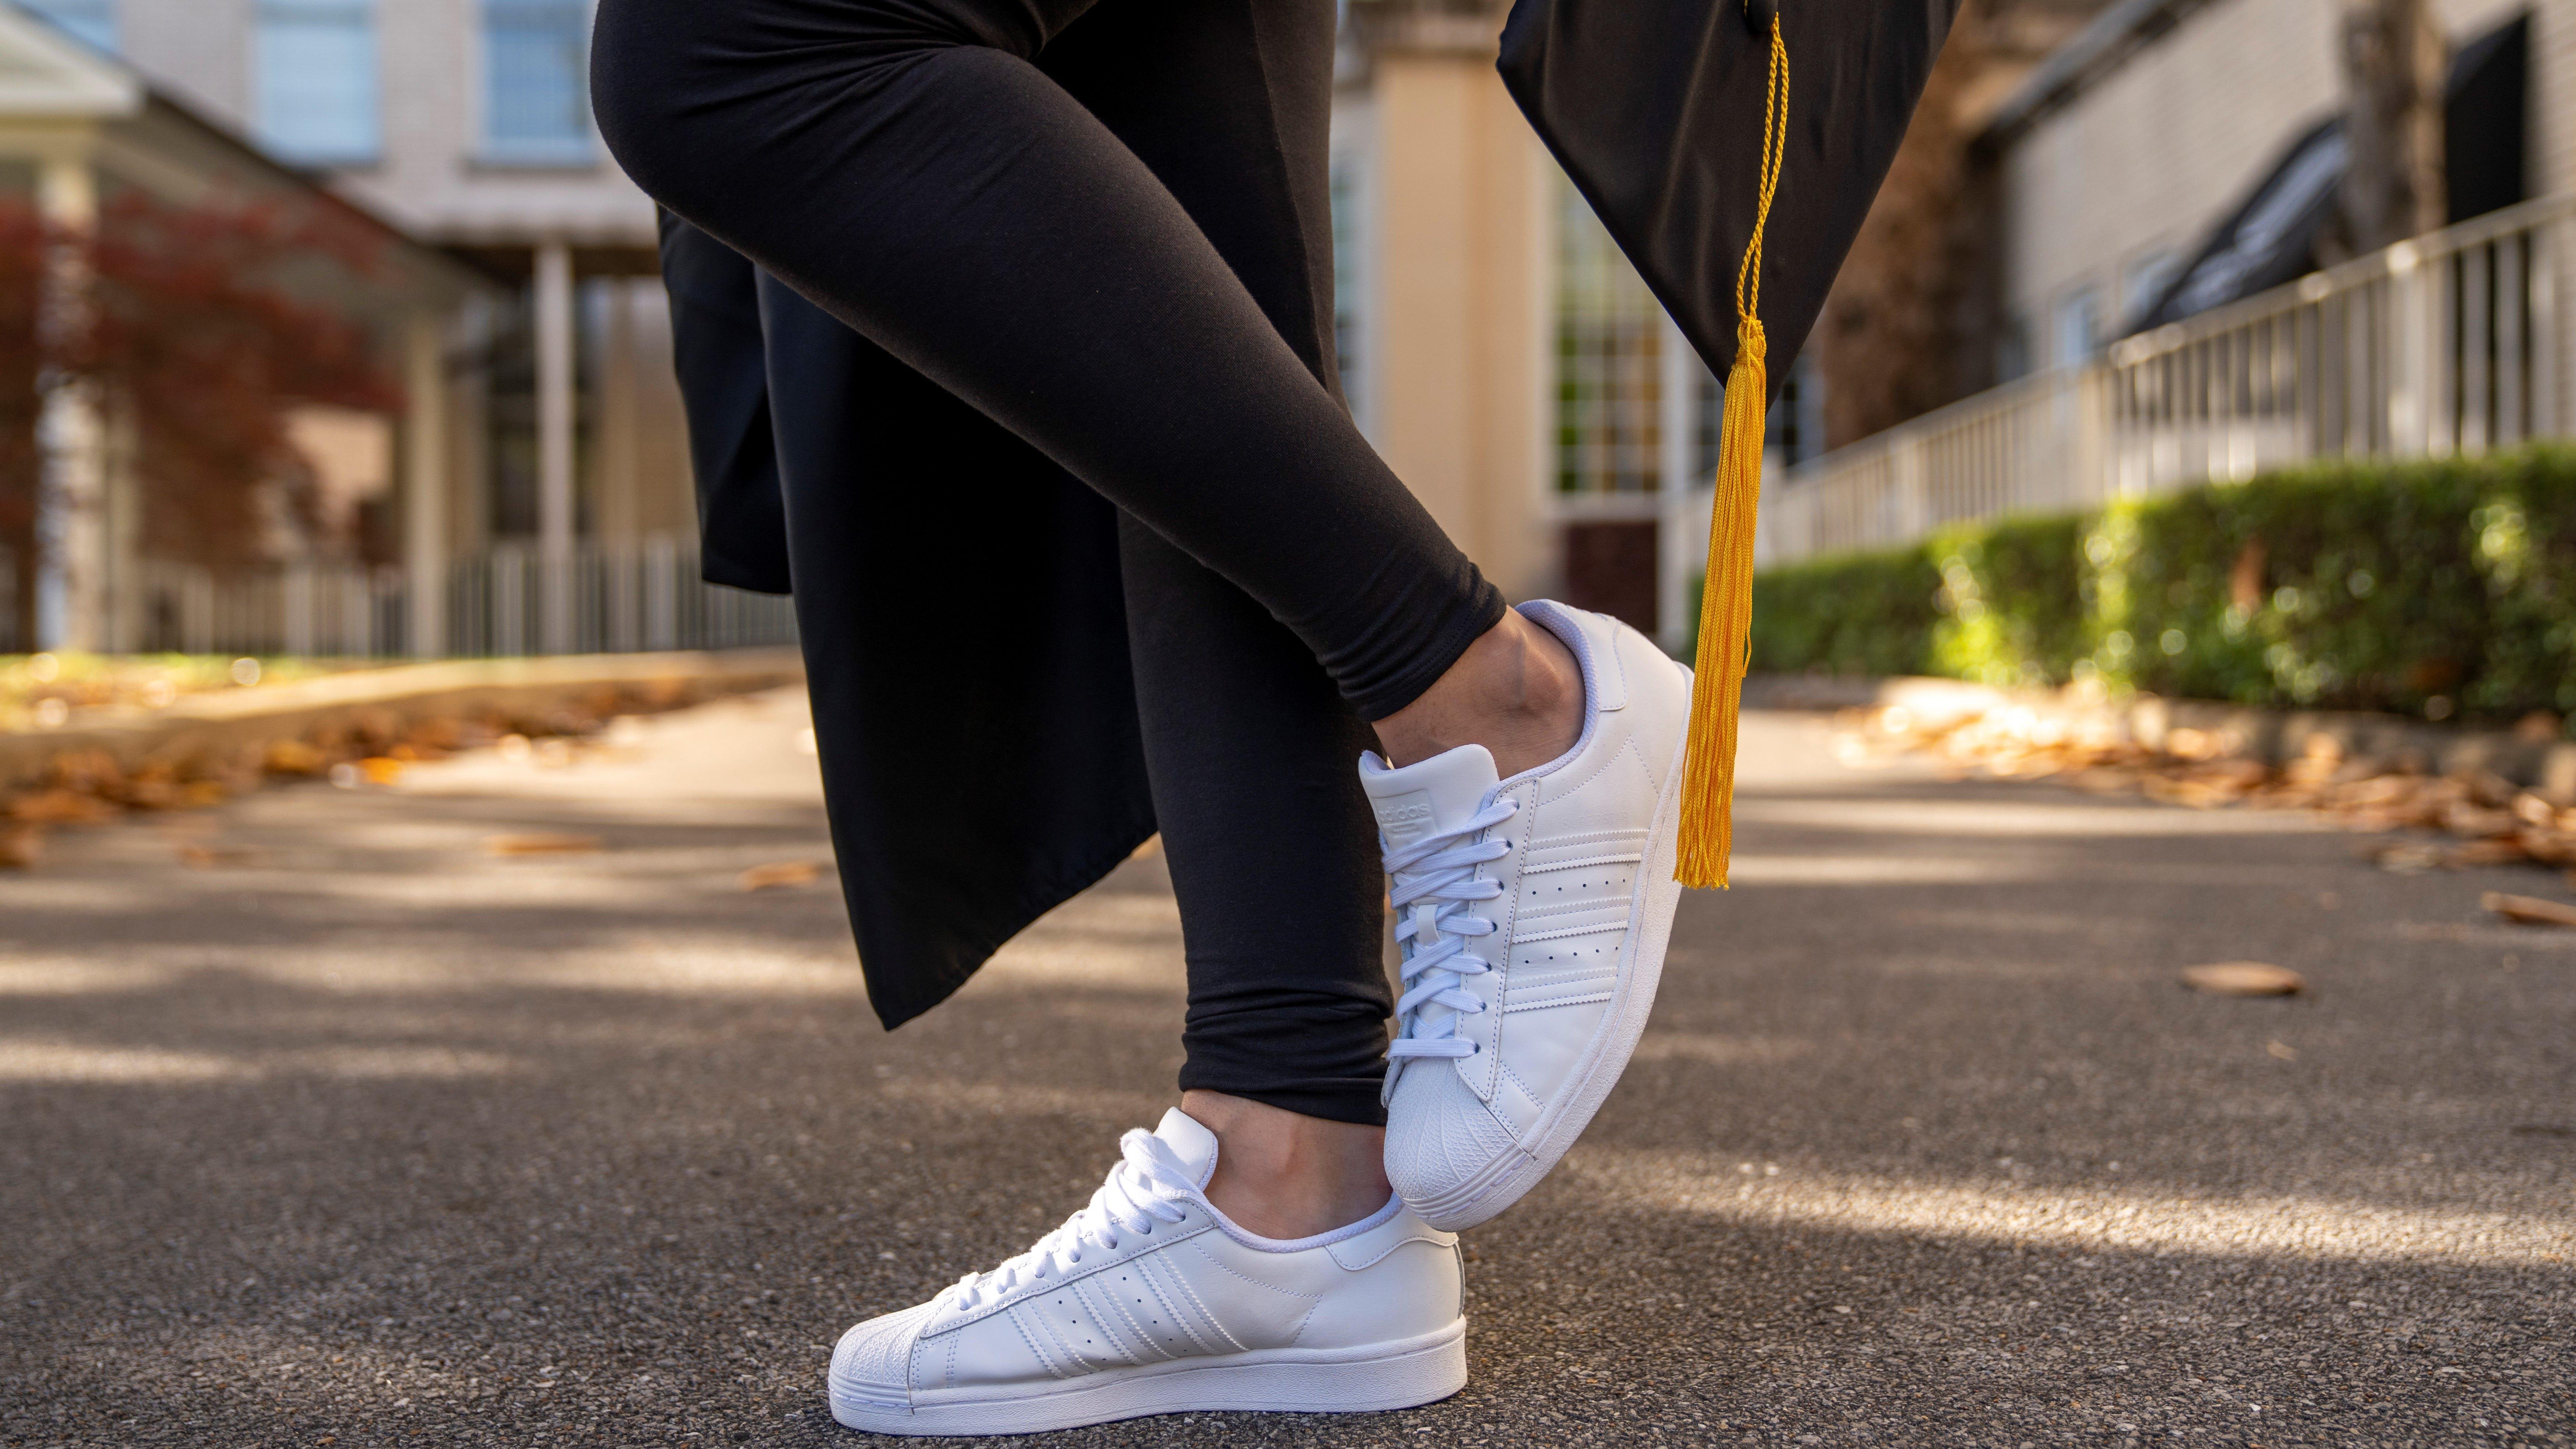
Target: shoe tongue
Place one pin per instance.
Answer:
(1193, 1144)
(1438, 794)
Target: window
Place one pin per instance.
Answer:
(2079, 328)
(1609, 361)
(536, 106)
(1795, 430)
(90, 21)
(314, 66)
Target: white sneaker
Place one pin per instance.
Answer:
(1532, 914)
(1150, 1302)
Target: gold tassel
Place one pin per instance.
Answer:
(1726, 598)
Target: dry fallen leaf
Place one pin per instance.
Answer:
(215, 857)
(2475, 821)
(380, 769)
(19, 847)
(294, 757)
(2506, 851)
(540, 843)
(62, 807)
(2244, 978)
(2529, 910)
(2408, 857)
(2281, 1049)
(2549, 847)
(779, 875)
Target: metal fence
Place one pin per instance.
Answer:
(2450, 343)
(616, 601)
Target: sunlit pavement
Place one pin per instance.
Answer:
(352, 1132)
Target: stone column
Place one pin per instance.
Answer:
(620, 509)
(555, 322)
(618, 522)
(1463, 282)
(428, 480)
(71, 524)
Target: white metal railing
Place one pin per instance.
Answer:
(2450, 343)
(621, 601)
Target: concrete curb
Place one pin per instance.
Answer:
(227, 722)
(2232, 731)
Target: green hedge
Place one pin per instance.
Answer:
(2427, 587)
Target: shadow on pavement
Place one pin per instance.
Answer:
(384, 1141)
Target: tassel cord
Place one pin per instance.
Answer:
(1726, 598)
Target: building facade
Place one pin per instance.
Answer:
(81, 135)
(2186, 310)
(467, 124)
(2119, 159)
(1497, 348)
(1516, 371)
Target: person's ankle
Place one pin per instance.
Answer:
(1284, 1175)
(1517, 691)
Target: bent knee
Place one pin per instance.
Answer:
(640, 56)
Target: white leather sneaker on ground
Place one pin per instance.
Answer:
(1532, 914)
(1150, 1302)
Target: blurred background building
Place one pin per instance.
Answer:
(531, 492)
(2049, 305)
(2117, 252)
(2172, 269)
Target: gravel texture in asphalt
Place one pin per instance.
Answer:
(327, 1125)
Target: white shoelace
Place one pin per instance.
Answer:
(1145, 1188)
(1434, 883)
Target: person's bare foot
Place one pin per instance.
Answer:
(1285, 1175)
(1517, 691)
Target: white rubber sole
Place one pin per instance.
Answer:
(1377, 1377)
(1641, 970)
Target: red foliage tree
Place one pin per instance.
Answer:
(204, 327)
(22, 267)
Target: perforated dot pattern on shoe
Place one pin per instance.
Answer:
(1150, 1322)
(1557, 886)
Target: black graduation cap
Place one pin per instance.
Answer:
(1736, 194)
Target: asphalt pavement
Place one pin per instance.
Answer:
(322, 1123)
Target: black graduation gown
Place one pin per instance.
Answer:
(958, 598)
(958, 593)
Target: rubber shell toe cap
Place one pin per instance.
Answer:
(872, 1364)
(1439, 1135)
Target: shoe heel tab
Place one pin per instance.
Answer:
(1367, 1250)
(1594, 639)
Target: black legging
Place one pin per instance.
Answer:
(1105, 226)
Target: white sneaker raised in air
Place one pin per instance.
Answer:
(1532, 915)
(1150, 1302)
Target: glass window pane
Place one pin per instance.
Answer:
(92, 21)
(536, 106)
(316, 72)
(1609, 368)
